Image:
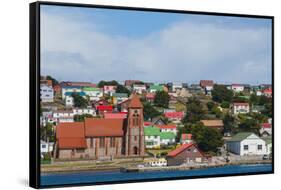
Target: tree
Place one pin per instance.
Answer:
(79, 101)
(149, 112)
(220, 93)
(54, 81)
(207, 139)
(210, 105)
(81, 118)
(47, 132)
(225, 104)
(103, 83)
(249, 125)
(194, 111)
(122, 89)
(229, 124)
(162, 99)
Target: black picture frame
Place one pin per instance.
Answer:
(34, 84)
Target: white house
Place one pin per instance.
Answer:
(268, 144)
(167, 128)
(46, 93)
(70, 89)
(237, 88)
(246, 143)
(94, 93)
(176, 86)
(167, 138)
(63, 116)
(152, 137)
(81, 111)
(139, 88)
(109, 89)
(155, 162)
(46, 147)
(240, 108)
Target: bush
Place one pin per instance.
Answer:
(225, 104)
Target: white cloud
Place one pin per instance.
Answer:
(185, 51)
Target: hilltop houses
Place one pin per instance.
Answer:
(69, 100)
(139, 88)
(240, 108)
(62, 116)
(175, 117)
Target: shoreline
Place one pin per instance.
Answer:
(94, 168)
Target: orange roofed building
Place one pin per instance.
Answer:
(103, 138)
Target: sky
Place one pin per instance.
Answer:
(90, 44)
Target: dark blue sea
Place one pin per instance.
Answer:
(109, 176)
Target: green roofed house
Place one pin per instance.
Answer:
(268, 144)
(155, 88)
(167, 138)
(152, 137)
(246, 143)
(93, 93)
(119, 97)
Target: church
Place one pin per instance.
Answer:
(103, 138)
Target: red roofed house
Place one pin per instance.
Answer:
(175, 116)
(101, 109)
(186, 138)
(115, 115)
(150, 97)
(186, 154)
(167, 128)
(266, 129)
(207, 85)
(267, 92)
(103, 138)
(240, 108)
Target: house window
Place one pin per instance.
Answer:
(135, 138)
(102, 142)
(112, 142)
(43, 146)
(246, 147)
(259, 147)
(80, 150)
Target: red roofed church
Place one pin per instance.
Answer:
(103, 138)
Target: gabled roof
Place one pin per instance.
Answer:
(166, 126)
(135, 102)
(268, 140)
(204, 83)
(120, 95)
(104, 108)
(241, 104)
(151, 131)
(70, 93)
(212, 123)
(186, 136)
(115, 115)
(167, 135)
(182, 148)
(240, 136)
(266, 125)
(95, 127)
(71, 135)
(174, 114)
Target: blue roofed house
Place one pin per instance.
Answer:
(71, 89)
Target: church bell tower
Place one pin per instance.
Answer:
(134, 132)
